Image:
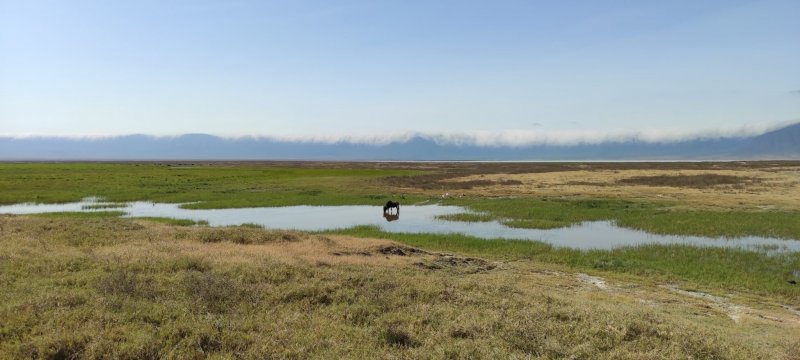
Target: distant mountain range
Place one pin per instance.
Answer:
(783, 143)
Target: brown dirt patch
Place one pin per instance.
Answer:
(700, 181)
(461, 264)
(438, 175)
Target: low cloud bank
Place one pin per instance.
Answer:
(499, 138)
(528, 137)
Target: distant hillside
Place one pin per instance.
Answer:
(783, 143)
(780, 143)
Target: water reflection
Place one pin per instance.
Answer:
(391, 217)
(416, 219)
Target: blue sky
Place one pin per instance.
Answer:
(335, 68)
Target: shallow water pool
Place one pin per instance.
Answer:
(412, 219)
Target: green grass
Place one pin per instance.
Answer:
(221, 186)
(467, 217)
(171, 221)
(656, 218)
(80, 214)
(91, 284)
(784, 225)
(708, 268)
(246, 185)
(210, 186)
(103, 206)
(252, 226)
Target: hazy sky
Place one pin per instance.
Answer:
(324, 68)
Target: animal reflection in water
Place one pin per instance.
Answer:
(388, 214)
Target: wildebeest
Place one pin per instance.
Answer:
(391, 205)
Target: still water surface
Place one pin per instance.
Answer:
(413, 219)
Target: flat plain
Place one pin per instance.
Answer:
(93, 285)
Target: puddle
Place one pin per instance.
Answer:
(412, 219)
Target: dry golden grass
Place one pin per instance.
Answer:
(770, 188)
(306, 249)
(136, 289)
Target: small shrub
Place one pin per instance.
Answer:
(397, 336)
(248, 234)
(65, 348)
(608, 263)
(313, 294)
(358, 315)
(461, 333)
(210, 291)
(212, 236)
(209, 343)
(189, 263)
(119, 282)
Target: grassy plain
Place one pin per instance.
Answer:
(206, 185)
(717, 187)
(715, 270)
(143, 283)
(106, 287)
(712, 199)
(658, 217)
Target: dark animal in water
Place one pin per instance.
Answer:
(387, 209)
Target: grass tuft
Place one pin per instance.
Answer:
(80, 214)
(248, 235)
(103, 206)
(177, 222)
(467, 217)
(119, 282)
(210, 292)
(395, 335)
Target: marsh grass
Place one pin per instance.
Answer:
(467, 217)
(80, 214)
(248, 235)
(205, 186)
(172, 221)
(103, 206)
(83, 301)
(219, 185)
(93, 285)
(552, 213)
(252, 226)
(713, 268)
(657, 218)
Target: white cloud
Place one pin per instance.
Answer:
(524, 137)
(509, 137)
